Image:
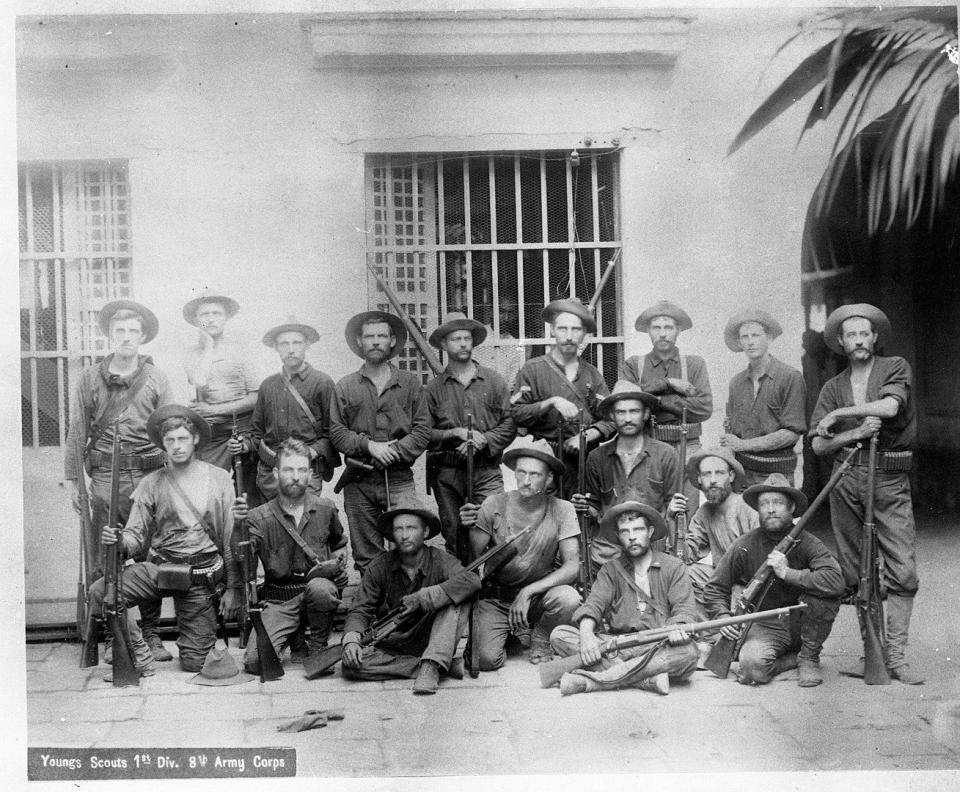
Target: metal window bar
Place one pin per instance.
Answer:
(550, 203)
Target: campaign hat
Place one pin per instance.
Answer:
(655, 520)
(161, 414)
(290, 326)
(624, 389)
(731, 333)
(693, 463)
(355, 326)
(534, 449)
(663, 308)
(409, 506)
(776, 482)
(220, 669)
(837, 317)
(208, 295)
(458, 321)
(150, 323)
(570, 305)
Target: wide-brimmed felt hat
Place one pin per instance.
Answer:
(836, 319)
(624, 389)
(693, 463)
(355, 327)
(731, 333)
(663, 308)
(409, 506)
(457, 321)
(654, 519)
(208, 295)
(219, 669)
(310, 335)
(150, 323)
(776, 482)
(570, 305)
(176, 410)
(534, 449)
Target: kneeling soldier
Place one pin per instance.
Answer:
(431, 586)
(810, 571)
(641, 589)
(288, 534)
(183, 512)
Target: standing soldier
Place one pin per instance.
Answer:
(553, 388)
(680, 381)
(292, 403)
(873, 396)
(220, 373)
(378, 417)
(765, 407)
(128, 386)
(465, 387)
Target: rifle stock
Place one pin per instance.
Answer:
(551, 672)
(869, 604)
(680, 523)
(84, 572)
(586, 570)
(252, 620)
(723, 651)
(611, 266)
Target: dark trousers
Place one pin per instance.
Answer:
(450, 490)
(363, 502)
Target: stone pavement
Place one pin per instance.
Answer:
(504, 722)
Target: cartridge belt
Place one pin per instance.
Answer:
(768, 464)
(151, 461)
(888, 461)
(670, 433)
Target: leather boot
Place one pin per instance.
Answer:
(656, 684)
(571, 684)
(810, 675)
(157, 649)
(321, 625)
(899, 610)
(786, 662)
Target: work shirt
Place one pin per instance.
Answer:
(277, 415)
(616, 599)
(400, 412)
(542, 378)
(95, 388)
(537, 550)
(319, 526)
(653, 479)
(652, 379)
(229, 377)
(890, 376)
(384, 585)
(486, 397)
(715, 527)
(778, 404)
(158, 515)
(812, 569)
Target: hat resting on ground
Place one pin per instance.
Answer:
(776, 482)
(570, 305)
(208, 295)
(355, 327)
(534, 449)
(220, 669)
(457, 321)
(156, 419)
(409, 506)
(310, 335)
(150, 323)
(693, 463)
(654, 519)
(623, 390)
(663, 308)
(837, 317)
(731, 333)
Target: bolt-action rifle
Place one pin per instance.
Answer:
(679, 538)
(586, 570)
(244, 622)
(551, 672)
(85, 571)
(724, 650)
(270, 666)
(869, 603)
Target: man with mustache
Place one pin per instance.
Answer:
(529, 591)
(223, 380)
(632, 466)
(765, 406)
(378, 416)
(808, 571)
(296, 589)
(873, 396)
(292, 403)
(553, 388)
(128, 386)
(432, 588)
(679, 381)
(642, 589)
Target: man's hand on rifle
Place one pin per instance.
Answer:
(870, 426)
(352, 651)
(681, 386)
(330, 569)
(825, 427)
(677, 505)
(468, 514)
(230, 603)
(581, 504)
(589, 645)
(479, 442)
(342, 577)
(678, 637)
(240, 510)
(731, 632)
(572, 444)
(384, 454)
(567, 409)
(411, 603)
(235, 445)
(110, 535)
(777, 561)
(732, 442)
(518, 610)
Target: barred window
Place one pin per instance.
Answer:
(497, 236)
(74, 258)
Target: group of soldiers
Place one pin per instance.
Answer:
(591, 561)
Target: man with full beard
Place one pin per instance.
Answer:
(297, 588)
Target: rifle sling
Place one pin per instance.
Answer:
(298, 398)
(178, 491)
(308, 551)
